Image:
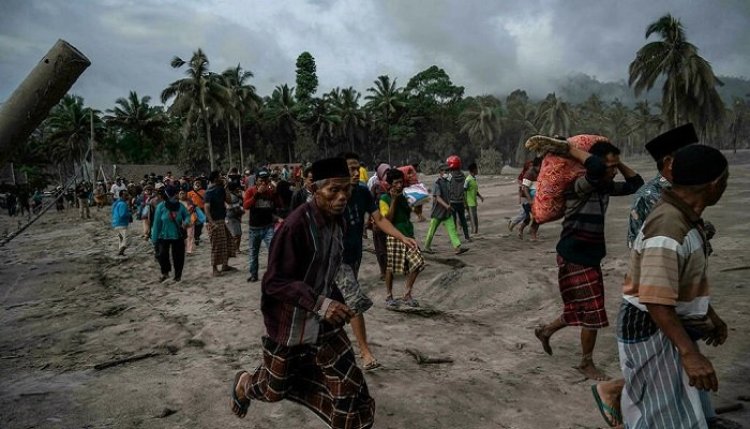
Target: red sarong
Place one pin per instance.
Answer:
(582, 291)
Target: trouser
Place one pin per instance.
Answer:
(381, 251)
(450, 227)
(474, 219)
(178, 256)
(190, 240)
(258, 235)
(198, 231)
(122, 236)
(460, 216)
(83, 206)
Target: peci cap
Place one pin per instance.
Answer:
(330, 168)
(697, 165)
(668, 142)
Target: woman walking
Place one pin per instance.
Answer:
(168, 232)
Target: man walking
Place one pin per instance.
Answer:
(307, 357)
(361, 203)
(262, 203)
(457, 193)
(216, 212)
(666, 306)
(582, 246)
(121, 218)
(472, 193)
(442, 213)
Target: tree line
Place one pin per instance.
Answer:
(218, 120)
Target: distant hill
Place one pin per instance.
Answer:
(577, 88)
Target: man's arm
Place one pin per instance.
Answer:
(698, 367)
(386, 226)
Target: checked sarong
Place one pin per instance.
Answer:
(582, 291)
(402, 260)
(219, 236)
(323, 377)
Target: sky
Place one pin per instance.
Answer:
(487, 46)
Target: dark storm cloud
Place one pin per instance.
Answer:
(486, 46)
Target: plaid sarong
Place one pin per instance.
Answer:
(400, 259)
(323, 377)
(582, 291)
(219, 236)
(354, 297)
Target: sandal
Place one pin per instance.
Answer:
(610, 414)
(411, 302)
(243, 406)
(371, 365)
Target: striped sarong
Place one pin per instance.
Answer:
(402, 260)
(219, 236)
(323, 377)
(657, 391)
(582, 291)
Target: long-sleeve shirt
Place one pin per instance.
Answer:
(261, 206)
(165, 222)
(120, 214)
(582, 237)
(645, 200)
(305, 255)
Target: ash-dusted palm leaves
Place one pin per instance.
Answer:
(481, 121)
(385, 101)
(689, 91)
(141, 126)
(281, 114)
(196, 95)
(68, 130)
(554, 116)
(352, 117)
(243, 98)
(323, 122)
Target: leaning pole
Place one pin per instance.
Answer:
(31, 102)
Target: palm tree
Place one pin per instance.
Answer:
(323, 122)
(352, 117)
(554, 116)
(195, 95)
(385, 100)
(690, 81)
(243, 97)
(481, 121)
(140, 126)
(69, 130)
(281, 112)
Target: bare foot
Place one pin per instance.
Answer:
(588, 369)
(239, 403)
(539, 332)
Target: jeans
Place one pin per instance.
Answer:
(258, 235)
(459, 215)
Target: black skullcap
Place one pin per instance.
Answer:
(666, 143)
(330, 168)
(697, 165)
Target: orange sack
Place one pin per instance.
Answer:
(556, 175)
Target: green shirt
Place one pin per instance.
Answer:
(472, 189)
(401, 217)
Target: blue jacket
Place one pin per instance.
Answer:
(165, 222)
(120, 214)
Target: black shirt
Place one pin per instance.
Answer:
(216, 197)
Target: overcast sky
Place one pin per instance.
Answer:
(488, 46)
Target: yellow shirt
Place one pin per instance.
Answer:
(363, 175)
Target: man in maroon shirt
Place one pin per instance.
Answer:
(307, 356)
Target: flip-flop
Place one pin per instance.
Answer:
(372, 365)
(604, 409)
(242, 406)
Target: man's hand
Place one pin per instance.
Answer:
(701, 372)
(262, 188)
(338, 314)
(718, 334)
(481, 198)
(410, 243)
(393, 192)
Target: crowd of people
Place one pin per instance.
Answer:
(313, 220)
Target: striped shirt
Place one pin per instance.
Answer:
(669, 259)
(586, 201)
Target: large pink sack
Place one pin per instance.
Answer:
(557, 174)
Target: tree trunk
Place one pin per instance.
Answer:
(229, 146)
(242, 152)
(44, 86)
(208, 141)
